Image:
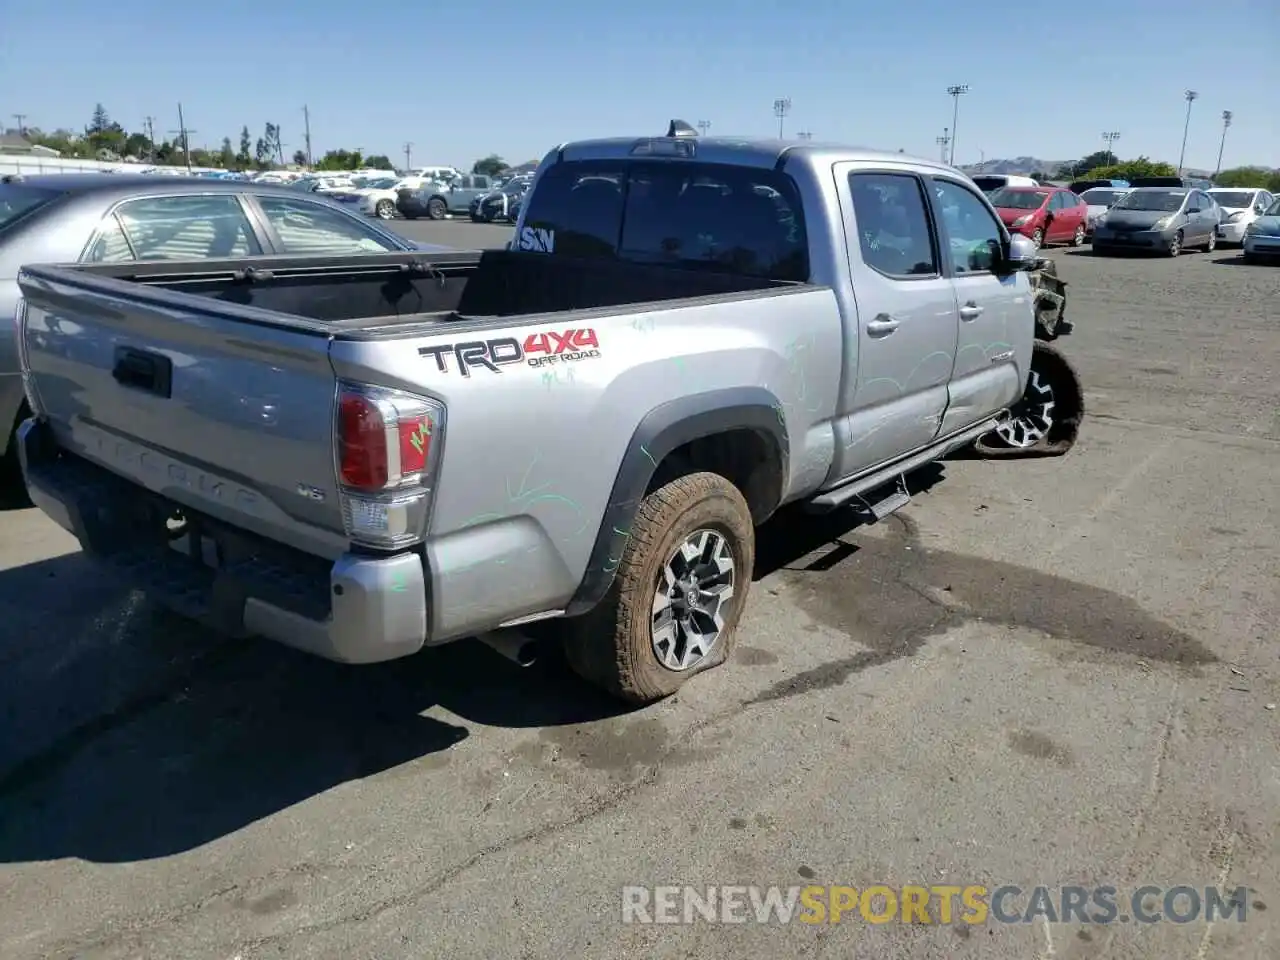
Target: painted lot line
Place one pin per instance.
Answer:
(1040, 672)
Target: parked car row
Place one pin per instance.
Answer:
(88, 218)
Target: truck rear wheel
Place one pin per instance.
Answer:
(678, 593)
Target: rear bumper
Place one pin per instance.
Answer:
(357, 609)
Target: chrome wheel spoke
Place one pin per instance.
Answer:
(691, 600)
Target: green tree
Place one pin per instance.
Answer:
(1128, 169)
(227, 155)
(341, 160)
(300, 158)
(137, 145)
(491, 166)
(379, 162)
(243, 159)
(103, 134)
(1249, 177)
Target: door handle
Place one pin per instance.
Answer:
(882, 324)
(970, 311)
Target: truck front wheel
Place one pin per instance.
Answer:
(677, 595)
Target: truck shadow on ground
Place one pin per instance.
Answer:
(127, 733)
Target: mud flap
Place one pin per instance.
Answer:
(1068, 400)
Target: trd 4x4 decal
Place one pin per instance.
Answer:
(537, 350)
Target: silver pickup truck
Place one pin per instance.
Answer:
(360, 456)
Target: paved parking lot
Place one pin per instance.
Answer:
(1044, 672)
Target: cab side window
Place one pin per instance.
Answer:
(893, 225)
(971, 231)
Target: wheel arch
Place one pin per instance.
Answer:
(737, 432)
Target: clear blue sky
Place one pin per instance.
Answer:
(465, 79)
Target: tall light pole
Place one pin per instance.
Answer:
(781, 107)
(955, 92)
(1226, 122)
(306, 122)
(942, 143)
(1190, 97)
(1111, 136)
(704, 126)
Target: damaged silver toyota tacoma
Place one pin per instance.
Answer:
(360, 456)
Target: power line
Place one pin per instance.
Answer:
(1190, 96)
(408, 156)
(781, 107)
(22, 127)
(185, 134)
(955, 91)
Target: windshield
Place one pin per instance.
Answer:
(382, 183)
(515, 186)
(1012, 199)
(16, 201)
(1101, 196)
(1165, 201)
(1274, 209)
(1233, 198)
(987, 184)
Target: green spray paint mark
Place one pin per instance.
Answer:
(420, 436)
(397, 583)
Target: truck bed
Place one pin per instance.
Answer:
(398, 289)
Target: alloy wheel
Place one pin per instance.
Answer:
(694, 589)
(1031, 418)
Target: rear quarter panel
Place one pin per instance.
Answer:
(531, 452)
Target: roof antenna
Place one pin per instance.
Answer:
(679, 129)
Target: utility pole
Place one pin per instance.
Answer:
(942, 142)
(781, 107)
(306, 119)
(704, 126)
(956, 91)
(408, 156)
(1111, 136)
(22, 127)
(1190, 96)
(151, 138)
(185, 134)
(805, 135)
(1226, 122)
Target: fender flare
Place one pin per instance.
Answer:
(663, 429)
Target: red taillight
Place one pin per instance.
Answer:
(362, 443)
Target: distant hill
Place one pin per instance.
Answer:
(1024, 165)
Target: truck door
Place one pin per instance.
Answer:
(906, 306)
(996, 328)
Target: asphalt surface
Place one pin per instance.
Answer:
(1041, 672)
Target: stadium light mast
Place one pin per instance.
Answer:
(781, 107)
(1111, 136)
(1190, 96)
(1226, 122)
(955, 92)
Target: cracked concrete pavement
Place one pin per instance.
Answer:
(1044, 672)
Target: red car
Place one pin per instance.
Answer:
(1045, 214)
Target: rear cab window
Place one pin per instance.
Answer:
(715, 217)
(18, 201)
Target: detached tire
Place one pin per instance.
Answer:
(683, 579)
(1046, 419)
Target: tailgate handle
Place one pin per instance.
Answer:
(142, 370)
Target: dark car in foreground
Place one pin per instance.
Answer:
(90, 218)
(1159, 220)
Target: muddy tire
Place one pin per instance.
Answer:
(1046, 419)
(678, 593)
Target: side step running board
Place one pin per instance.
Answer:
(855, 488)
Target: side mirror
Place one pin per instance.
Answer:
(1020, 256)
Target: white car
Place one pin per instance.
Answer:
(1100, 200)
(1240, 207)
(376, 198)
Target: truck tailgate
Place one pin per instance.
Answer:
(220, 408)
